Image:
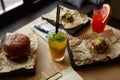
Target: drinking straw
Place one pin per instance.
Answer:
(57, 18)
(99, 3)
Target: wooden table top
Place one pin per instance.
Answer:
(45, 66)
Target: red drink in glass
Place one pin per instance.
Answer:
(100, 18)
(97, 24)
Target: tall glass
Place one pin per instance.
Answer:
(57, 45)
(97, 24)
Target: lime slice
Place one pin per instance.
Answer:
(56, 45)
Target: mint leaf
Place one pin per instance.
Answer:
(59, 38)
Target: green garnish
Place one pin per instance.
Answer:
(59, 36)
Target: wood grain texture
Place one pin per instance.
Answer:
(45, 66)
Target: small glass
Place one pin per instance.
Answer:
(57, 44)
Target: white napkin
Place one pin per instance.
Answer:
(45, 25)
(67, 74)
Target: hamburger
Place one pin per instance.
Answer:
(16, 46)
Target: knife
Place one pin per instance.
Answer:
(38, 27)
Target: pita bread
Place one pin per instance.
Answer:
(78, 18)
(82, 55)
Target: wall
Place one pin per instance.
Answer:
(115, 5)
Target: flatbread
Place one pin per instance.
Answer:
(82, 55)
(78, 18)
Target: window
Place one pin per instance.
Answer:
(1, 8)
(10, 4)
(6, 5)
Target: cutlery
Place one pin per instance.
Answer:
(38, 27)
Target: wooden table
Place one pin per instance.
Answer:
(46, 67)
